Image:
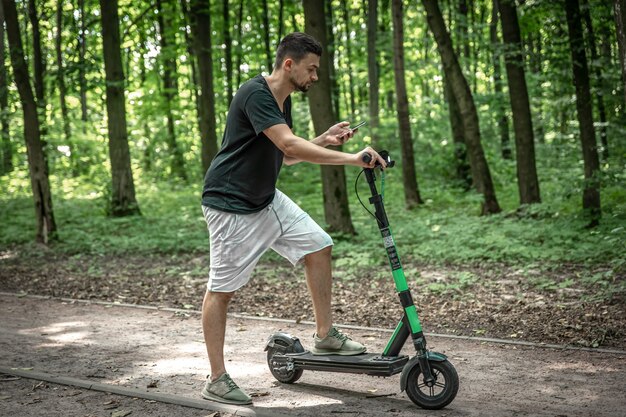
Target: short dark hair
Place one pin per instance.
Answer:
(296, 46)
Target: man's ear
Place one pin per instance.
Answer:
(288, 64)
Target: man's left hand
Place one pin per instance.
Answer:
(339, 134)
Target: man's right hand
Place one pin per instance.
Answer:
(375, 158)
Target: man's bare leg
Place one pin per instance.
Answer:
(317, 269)
(214, 309)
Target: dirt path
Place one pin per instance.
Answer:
(137, 348)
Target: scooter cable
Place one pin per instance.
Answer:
(356, 191)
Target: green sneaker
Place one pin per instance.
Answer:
(336, 343)
(224, 390)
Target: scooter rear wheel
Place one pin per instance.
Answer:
(285, 376)
(441, 393)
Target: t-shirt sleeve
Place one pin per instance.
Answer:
(262, 111)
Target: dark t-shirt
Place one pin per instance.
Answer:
(242, 177)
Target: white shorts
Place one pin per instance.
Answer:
(239, 240)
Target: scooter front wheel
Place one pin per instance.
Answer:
(438, 394)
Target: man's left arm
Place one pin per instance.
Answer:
(336, 135)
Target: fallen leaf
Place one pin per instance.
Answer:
(153, 383)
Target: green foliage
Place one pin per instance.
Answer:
(446, 229)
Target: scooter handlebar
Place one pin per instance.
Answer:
(384, 154)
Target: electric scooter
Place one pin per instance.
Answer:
(428, 378)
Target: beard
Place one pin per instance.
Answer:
(302, 87)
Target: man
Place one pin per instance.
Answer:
(246, 215)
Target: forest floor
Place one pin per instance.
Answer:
(148, 356)
(553, 306)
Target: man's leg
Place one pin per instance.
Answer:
(220, 387)
(327, 340)
(214, 309)
(317, 269)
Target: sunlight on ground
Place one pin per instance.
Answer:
(7, 254)
(61, 333)
(590, 369)
(177, 365)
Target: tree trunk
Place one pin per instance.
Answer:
(501, 119)
(82, 50)
(597, 78)
(193, 60)
(62, 90)
(411, 191)
(46, 226)
(281, 22)
(454, 112)
(39, 65)
(480, 170)
(527, 182)
(6, 147)
(201, 29)
(170, 84)
(123, 201)
(619, 7)
(462, 29)
(463, 173)
(266, 36)
(228, 52)
(347, 61)
(330, 48)
(372, 71)
(336, 208)
(239, 43)
(591, 192)
(38, 61)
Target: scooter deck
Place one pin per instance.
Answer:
(365, 363)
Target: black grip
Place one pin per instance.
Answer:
(366, 158)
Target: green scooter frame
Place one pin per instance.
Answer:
(429, 379)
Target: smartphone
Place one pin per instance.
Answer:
(358, 125)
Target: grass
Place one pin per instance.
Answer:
(445, 229)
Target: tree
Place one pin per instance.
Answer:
(501, 119)
(591, 192)
(63, 89)
(372, 70)
(463, 174)
(170, 84)
(527, 181)
(266, 35)
(82, 50)
(411, 191)
(586, 15)
(460, 88)
(330, 48)
(201, 30)
(6, 147)
(348, 57)
(42, 196)
(39, 63)
(123, 201)
(619, 7)
(336, 208)
(228, 51)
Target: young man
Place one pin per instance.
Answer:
(246, 215)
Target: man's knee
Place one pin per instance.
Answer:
(219, 297)
(320, 254)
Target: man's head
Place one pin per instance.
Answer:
(299, 54)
